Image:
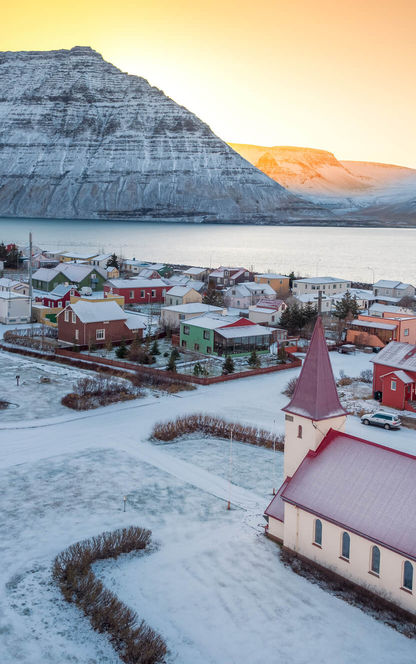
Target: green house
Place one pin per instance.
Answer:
(224, 335)
(46, 279)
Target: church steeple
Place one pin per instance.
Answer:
(315, 407)
(316, 395)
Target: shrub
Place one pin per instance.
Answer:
(134, 641)
(122, 351)
(155, 348)
(171, 366)
(254, 360)
(175, 354)
(95, 391)
(209, 425)
(290, 387)
(346, 380)
(366, 376)
(228, 366)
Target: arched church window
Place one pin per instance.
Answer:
(408, 575)
(375, 560)
(318, 532)
(345, 551)
(300, 431)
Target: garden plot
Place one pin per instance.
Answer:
(41, 387)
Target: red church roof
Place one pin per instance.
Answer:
(316, 395)
(361, 486)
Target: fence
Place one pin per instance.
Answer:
(199, 380)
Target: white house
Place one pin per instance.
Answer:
(306, 299)
(242, 296)
(172, 316)
(346, 505)
(328, 285)
(14, 286)
(392, 289)
(14, 308)
(266, 312)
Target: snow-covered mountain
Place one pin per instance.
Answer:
(81, 139)
(369, 191)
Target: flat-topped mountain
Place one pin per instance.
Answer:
(369, 191)
(81, 139)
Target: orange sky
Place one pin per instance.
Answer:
(332, 74)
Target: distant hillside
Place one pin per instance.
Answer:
(370, 191)
(81, 139)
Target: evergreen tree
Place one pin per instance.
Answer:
(228, 366)
(197, 369)
(254, 360)
(155, 348)
(309, 313)
(175, 354)
(347, 307)
(213, 297)
(172, 363)
(134, 351)
(122, 351)
(113, 262)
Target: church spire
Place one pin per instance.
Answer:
(315, 396)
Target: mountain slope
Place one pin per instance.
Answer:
(81, 139)
(381, 192)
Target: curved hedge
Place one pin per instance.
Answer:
(209, 425)
(134, 641)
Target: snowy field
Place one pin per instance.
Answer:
(213, 586)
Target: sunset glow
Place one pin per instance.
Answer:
(332, 75)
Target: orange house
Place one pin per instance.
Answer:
(378, 332)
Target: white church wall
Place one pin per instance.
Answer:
(299, 537)
(312, 434)
(276, 528)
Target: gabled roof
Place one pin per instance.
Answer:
(84, 256)
(401, 375)
(361, 486)
(386, 283)
(62, 289)
(136, 283)
(179, 291)
(194, 270)
(97, 312)
(374, 324)
(397, 355)
(316, 395)
(45, 274)
(193, 308)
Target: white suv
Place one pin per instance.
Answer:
(382, 419)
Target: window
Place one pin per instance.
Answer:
(408, 575)
(142, 293)
(345, 550)
(100, 335)
(209, 349)
(74, 318)
(206, 334)
(186, 329)
(66, 316)
(300, 431)
(196, 346)
(406, 332)
(76, 335)
(375, 560)
(317, 536)
(131, 294)
(59, 304)
(393, 385)
(183, 343)
(153, 293)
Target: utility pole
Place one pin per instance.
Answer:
(319, 303)
(30, 281)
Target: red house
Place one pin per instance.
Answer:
(394, 376)
(137, 291)
(59, 297)
(83, 323)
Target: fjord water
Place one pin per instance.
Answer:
(358, 253)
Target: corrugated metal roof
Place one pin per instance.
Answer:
(361, 486)
(397, 355)
(276, 508)
(244, 331)
(374, 325)
(97, 312)
(316, 395)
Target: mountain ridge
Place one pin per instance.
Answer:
(83, 140)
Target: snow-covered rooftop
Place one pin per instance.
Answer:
(397, 355)
(96, 312)
(79, 256)
(193, 308)
(386, 283)
(179, 291)
(136, 283)
(374, 325)
(194, 271)
(321, 280)
(244, 331)
(362, 487)
(401, 375)
(11, 295)
(211, 321)
(268, 275)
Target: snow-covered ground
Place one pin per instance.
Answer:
(214, 586)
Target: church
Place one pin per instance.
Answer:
(346, 504)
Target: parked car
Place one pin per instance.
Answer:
(382, 419)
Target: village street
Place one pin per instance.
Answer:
(211, 572)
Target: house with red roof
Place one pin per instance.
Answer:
(346, 505)
(394, 376)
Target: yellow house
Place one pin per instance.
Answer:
(182, 295)
(109, 296)
(279, 282)
(70, 256)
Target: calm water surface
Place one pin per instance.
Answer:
(357, 253)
